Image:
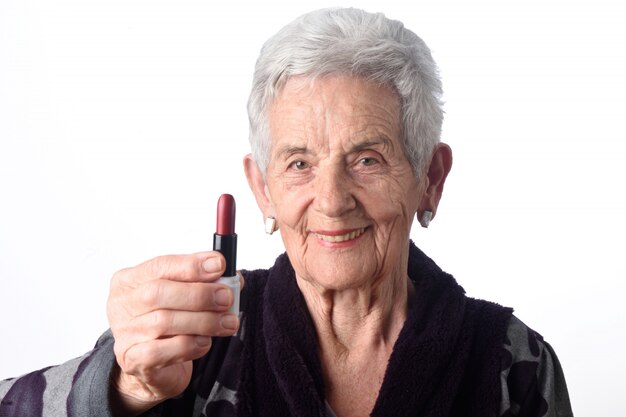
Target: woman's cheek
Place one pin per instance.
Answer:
(292, 207)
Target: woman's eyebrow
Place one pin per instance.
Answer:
(287, 151)
(372, 143)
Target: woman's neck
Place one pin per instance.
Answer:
(359, 318)
(357, 329)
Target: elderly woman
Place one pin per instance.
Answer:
(354, 320)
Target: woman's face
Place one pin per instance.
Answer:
(338, 182)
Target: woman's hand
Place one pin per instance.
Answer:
(163, 314)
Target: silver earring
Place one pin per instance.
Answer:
(427, 216)
(270, 225)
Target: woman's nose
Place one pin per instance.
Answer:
(333, 195)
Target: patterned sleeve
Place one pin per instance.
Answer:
(76, 388)
(533, 384)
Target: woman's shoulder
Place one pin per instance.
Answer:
(255, 279)
(533, 383)
(254, 283)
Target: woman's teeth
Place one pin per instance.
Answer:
(341, 238)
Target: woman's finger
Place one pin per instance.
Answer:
(203, 266)
(167, 323)
(175, 295)
(145, 359)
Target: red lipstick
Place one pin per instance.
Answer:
(225, 242)
(225, 215)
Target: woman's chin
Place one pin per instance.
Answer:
(348, 275)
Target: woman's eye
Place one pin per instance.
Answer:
(299, 165)
(368, 161)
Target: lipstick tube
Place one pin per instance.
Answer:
(225, 242)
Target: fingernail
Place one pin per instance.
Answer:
(211, 265)
(223, 297)
(203, 341)
(229, 322)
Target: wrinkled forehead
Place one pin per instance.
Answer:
(333, 112)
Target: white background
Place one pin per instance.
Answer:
(121, 122)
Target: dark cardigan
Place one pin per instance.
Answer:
(446, 361)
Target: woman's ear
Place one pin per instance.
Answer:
(436, 175)
(257, 185)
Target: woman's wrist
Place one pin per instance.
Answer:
(121, 399)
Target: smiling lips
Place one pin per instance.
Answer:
(333, 237)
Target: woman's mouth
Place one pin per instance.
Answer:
(333, 237)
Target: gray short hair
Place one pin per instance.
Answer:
(353, 42)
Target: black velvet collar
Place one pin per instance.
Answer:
(446, 360)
